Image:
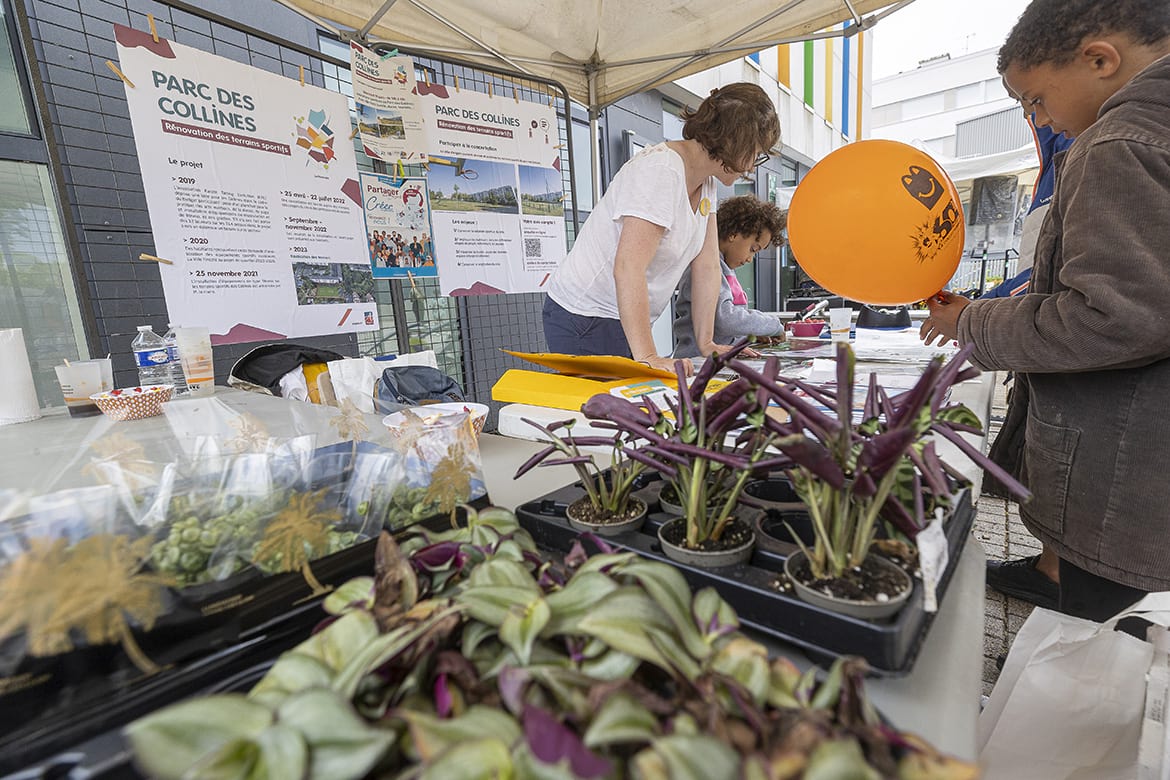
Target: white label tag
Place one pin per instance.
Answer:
(933, 556)
(1152, 746)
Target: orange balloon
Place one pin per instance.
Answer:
(877, 222)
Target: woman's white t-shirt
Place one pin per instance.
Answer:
(651, 186)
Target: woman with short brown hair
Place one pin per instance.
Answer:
(655, 222)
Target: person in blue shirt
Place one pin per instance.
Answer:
(1048, 144)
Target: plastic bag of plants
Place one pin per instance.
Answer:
(242, 426)
(333, 508)
(207, 526)
(74, 574)
(441, 457)
(131, 462)
(378, 479)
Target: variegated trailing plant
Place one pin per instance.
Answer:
(854, 475)
(466, 655)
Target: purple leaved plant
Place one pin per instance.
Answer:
(706, 446)
(849, 474)
(609, 492)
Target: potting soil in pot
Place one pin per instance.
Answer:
(734, 535)
(584, 512)
(869, 582)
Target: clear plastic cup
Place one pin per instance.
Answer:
(840, 321)
(195, 355)
(80, 379)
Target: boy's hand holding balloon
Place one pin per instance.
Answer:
(943, 323)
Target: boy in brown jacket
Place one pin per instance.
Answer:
(1091, 339)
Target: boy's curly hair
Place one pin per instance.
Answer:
(1049, 31)
(734, 123)
(749, 216)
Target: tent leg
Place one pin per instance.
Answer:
(594, 146)
(594, 157)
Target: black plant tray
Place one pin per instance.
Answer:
(890, 645)
(47, 746)
(48, 706)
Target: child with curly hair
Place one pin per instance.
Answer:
(746, 225)
(1091, 338)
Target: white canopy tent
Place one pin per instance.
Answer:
(599, 50)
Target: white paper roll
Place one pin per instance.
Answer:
(18, 394)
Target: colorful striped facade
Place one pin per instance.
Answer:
(829, 75)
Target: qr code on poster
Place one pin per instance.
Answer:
(532, 248)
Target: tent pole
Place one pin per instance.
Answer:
(853, 13)
(377, 17)
(493, 51)
(594, 150)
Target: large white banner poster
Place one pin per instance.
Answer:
(497, 203)
(252, 189)
(389, 118)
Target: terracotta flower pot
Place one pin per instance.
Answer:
(869, 609)
(707, 559)
(576, 514)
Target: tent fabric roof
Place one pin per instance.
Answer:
(632, 45)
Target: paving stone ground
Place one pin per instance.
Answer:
(998, 527)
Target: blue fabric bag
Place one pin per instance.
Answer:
(414, 386)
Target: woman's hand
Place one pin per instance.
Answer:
(667, 364)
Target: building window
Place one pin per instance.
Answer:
(37, 289)
(787, 174)
(924, 105)
(582, 163)
(672, 121)
(15, 117)
(36, 286)
(969, 95)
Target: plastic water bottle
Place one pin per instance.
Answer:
(150, 355)
(178, 378)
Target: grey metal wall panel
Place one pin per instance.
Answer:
(999, 132)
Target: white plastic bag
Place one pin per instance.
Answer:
(1070, 700)
(1154, 748)
(354, 379)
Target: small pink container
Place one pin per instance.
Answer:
(807, 329)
